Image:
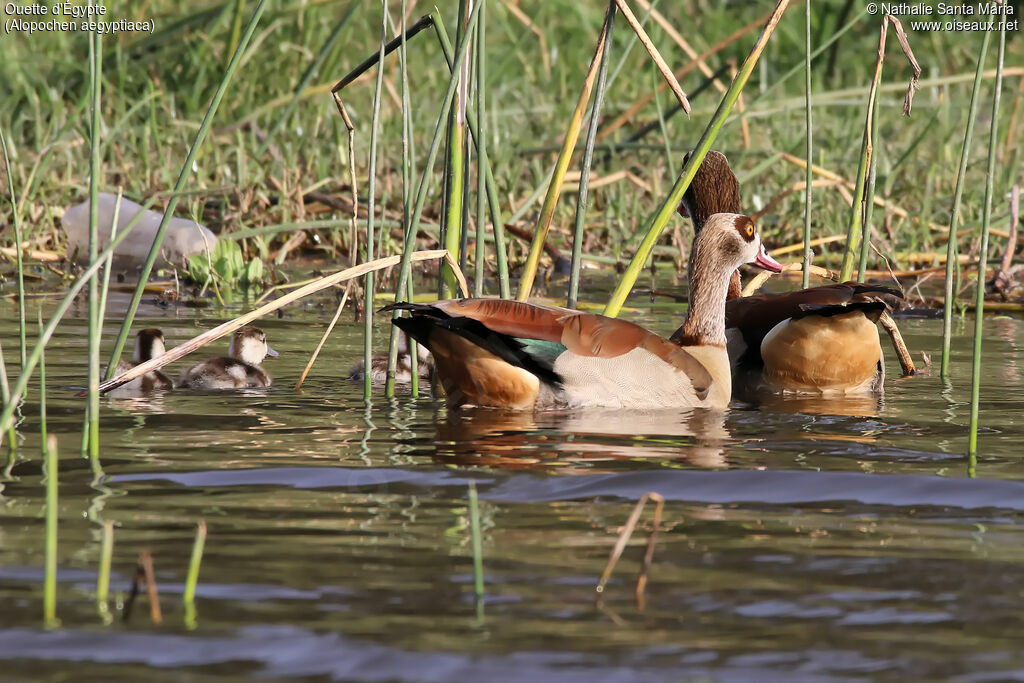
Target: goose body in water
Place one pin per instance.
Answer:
(819, 340)
(507, 354)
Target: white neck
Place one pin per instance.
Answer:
(709, 285)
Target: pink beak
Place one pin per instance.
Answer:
(767, 262)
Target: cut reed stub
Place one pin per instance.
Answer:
(623, 539)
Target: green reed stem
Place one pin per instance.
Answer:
(368, 283)
(16, 394)
(979, 303)
(50, 574)
(809, 148)
(477, 540)
(481, 175)
(42, 389)
(15, 219)
(477, 130)
(189, 597)
(308, 76)
(105, 287)
(856, 228)
(954, 218)
(103, 575)
(869, 198)
(412, 225)
(588, 157)
(456, 174)
(183, 176)
(95, 324)
(12, 436)
(781, 80)
(572, 133)
(408, 171)
(668, 207)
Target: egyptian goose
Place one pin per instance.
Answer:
(149, 344)
(506, 354)
(815, 340)
(240, 369)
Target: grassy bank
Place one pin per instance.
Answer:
(279, 157)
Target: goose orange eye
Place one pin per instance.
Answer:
(750, 230)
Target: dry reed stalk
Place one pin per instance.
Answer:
(685, 46)
(642, 102)
(659, 61)
(524, 19)
(144, 574)
(354, 235)
(661, 218)
(572, 179)
(799, 246)
(623, 539)
(38, 255)
(323, 339)
(842, 183)
(741, 108)
(205, 338)
(906, 361)
(561, 167)
(795, 187)
(1002, 280)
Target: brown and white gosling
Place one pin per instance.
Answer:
(149, 344)
(403, 367)
(240, 369)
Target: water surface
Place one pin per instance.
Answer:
(803, 539)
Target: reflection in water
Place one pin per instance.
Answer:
(565, 440)
(865, 405)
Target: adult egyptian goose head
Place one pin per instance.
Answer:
(507, 354)
(240, 369)
(149, 344)
(815, 340)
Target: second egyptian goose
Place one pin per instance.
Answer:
(815, 340)
(240, 369)
(506, 354)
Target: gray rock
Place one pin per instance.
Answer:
(182, 239)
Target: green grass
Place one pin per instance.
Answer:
(157, 88)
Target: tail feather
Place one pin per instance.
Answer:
(425, 318)
(873, 310)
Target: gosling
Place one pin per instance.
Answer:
(149, 344)
(240, 369)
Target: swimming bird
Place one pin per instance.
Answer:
(507, 354)
(403, 366)
(816, 340)
(149, 344)
(240, 369)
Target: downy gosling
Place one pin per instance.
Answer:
(240, 369)
(149, 344)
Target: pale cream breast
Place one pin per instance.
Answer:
(641, 379)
